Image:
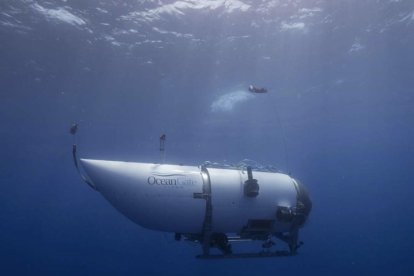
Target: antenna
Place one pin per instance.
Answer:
(163, 138)
(73, 130)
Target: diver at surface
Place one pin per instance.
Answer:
(255, 89)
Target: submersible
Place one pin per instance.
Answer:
(205, 204)
(210, 205)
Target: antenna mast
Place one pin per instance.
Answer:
(163, 138)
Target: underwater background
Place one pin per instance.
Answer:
(339, 115)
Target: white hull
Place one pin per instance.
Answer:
(162, 197)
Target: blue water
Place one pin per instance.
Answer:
(340, 80)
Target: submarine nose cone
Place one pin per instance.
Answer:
(99, 172)
(115, 178)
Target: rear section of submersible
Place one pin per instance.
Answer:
(206, 204)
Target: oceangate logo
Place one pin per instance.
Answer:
(152, 180)
(176, 179)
